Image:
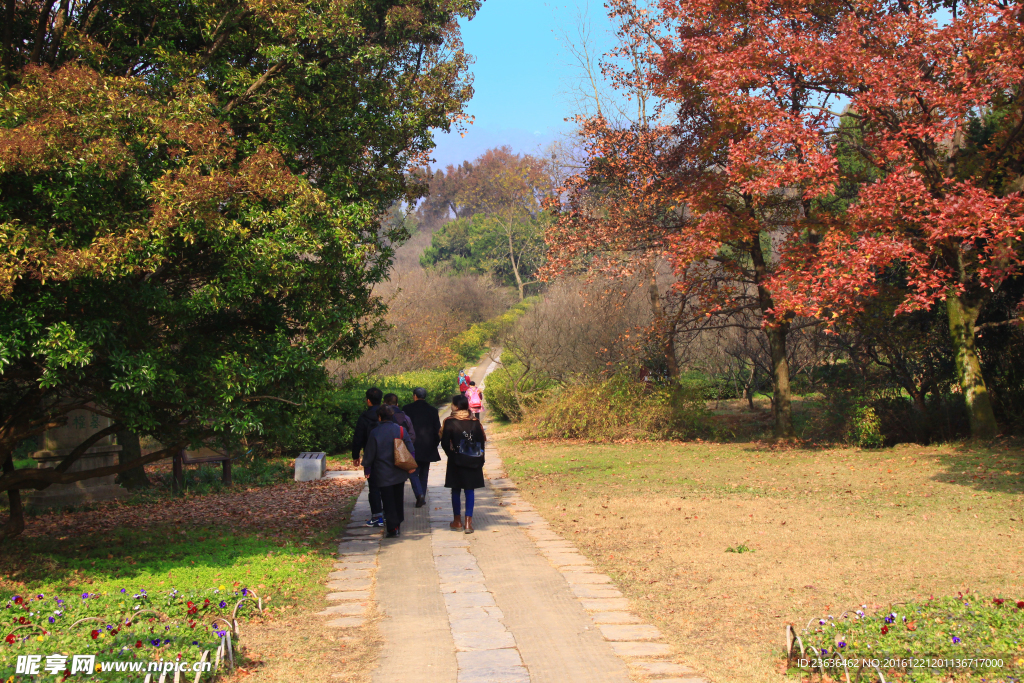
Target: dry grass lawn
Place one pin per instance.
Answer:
(301, 648)
(829, 529)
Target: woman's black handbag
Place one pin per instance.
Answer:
(470, 453)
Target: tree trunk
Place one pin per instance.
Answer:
(777, 329)
(16, 519)
(748, 389)
(515, 266)
(782, 409)
(134, 478)
(663, 327)
(963, 315)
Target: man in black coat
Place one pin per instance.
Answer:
(428, 436)
(366, 423)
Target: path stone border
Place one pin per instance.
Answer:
(351, 583)
(636, 643)
(485, 650)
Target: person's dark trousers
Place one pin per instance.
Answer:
(414, 481)
(394, 505)
(376, 507)
(421, 473)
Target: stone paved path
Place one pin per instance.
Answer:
(512, 603)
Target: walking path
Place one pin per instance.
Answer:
(512, 603)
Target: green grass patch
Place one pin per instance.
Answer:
(128, 571)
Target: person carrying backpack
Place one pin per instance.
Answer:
(462, 439)
(475, 396)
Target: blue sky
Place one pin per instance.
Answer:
(523, 74)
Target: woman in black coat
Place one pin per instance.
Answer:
(462, 439)
(379, 467)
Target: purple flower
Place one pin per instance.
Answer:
(155, 642)
(956, 639)
(52, 620)
(842, 644)
(223, 604)
(824, 651)
(195, 642)
(167, 641)
(122, 590)
(221, 634)
(85, 595)
(245, 591)
(40, 596)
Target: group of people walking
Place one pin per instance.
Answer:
(417, 426)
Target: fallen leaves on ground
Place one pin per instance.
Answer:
(309, 506)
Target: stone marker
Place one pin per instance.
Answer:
(310, 466)
(59, 442)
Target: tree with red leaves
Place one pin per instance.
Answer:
(931, 96)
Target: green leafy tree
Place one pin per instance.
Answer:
(190, 204)
(511, 252)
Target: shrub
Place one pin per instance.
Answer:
(510, 393)
(618, 408)
(865, 428)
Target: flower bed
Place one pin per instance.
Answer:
(962, 638)
(119, 627)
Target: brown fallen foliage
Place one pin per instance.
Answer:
(317, 505)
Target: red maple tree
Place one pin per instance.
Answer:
(770, 94)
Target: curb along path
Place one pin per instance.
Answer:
(512, 603)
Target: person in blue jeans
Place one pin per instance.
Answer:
(461, 435)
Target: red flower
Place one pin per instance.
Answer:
(95, 634)
(22, 620)
(998, 602)
(1020, 604)
(885, 629)
(10, 638)
(206, 602)
(138, 643)
(19, 600)
(127, 623)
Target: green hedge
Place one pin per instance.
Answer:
(470, 344)
(329, 424)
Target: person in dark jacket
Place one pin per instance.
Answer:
(460, 434)
(366, 423)
(403, 421)
(379, 467)
(428, 437)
